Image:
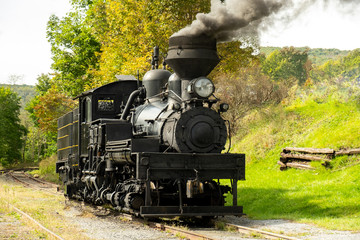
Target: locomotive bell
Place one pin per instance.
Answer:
(192, 56)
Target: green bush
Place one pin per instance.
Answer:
(47, 169)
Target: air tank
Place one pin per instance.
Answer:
(154, 80)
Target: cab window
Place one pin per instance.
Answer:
(106, 104)
(87, 110)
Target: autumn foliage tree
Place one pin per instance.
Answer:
(52, 105)
(233, 58)
(49, 104)
(129, 29)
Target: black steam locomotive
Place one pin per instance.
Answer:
(153, 149)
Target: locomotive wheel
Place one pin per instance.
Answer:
(217, 198)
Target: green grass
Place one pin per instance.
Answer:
(326, 197)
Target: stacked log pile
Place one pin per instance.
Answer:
(301, 157)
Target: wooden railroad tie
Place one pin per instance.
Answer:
(292, 157)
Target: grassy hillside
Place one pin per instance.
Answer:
(25, 92)
(317, 55)
(327, 197)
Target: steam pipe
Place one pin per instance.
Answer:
(130, 102)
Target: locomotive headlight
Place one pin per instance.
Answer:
(202, 87)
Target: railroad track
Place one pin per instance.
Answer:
(29, 181)
(264, 234)
(183, 232)
(177, 231)
(187, 232)
(48, 231)
(194, 235)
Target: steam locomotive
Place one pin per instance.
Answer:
(153, 147)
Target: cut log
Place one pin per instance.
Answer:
(281, 164)
(310, 150)
(299, 165)
(348, 152)
(303, 157)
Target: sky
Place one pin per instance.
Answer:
(25, 51)
(320, 26)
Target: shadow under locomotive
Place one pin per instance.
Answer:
(153, 150)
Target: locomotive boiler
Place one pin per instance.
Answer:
(153, 147)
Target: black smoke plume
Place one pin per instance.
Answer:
(230, 19)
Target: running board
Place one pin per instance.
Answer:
(190, 211)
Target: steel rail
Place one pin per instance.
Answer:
(36, 222)
(188, 234)
(54, 235)
(16, 178)
(179, 231)
(40, 181)
(265, 234)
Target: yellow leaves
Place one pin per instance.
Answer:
(233, 58)
(134, 27)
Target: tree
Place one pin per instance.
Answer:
(351, 64)
(44, 111)
(74, 52)
(245, 89)
(287, 63)
(233, 57)
(11, 131)
(50, 106)
(102, 38)
(344, 69)
(44, 84)
(15, 79)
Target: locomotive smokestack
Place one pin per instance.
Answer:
(192, 56)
